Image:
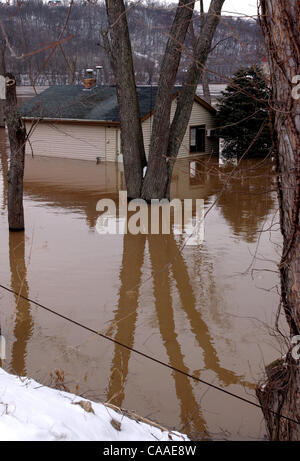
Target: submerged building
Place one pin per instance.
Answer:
(82, 122)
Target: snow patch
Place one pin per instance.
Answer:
(30, 411)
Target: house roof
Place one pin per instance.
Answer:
(98, 105)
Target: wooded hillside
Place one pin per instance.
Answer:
(33, 25)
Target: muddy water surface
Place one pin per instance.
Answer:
(204, 313)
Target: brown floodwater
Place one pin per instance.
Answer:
(206, 311)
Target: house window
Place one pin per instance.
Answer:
(197, 139)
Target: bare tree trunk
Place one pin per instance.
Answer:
(2, 72)
(17, 139)
(205, 87)
(155, 183)
(118, 47)
(164, 138)
(280, 25)
(158, 175)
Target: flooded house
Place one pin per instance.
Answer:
(82, 122)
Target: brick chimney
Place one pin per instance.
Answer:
(89, 81)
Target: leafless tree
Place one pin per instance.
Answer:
(118, 46)
(148, 23)
(205, 85)
(17, 139)
(2, 72)
(161, 157)
(16, 130)
(166, 138)
(155, 180)
(280, 25)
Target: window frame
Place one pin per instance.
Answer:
(203, 127)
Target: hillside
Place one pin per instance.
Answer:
(34, 25)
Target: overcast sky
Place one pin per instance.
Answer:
(231, 7)
(248, 7)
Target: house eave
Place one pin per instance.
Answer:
(107, 123)
(110, 123)
(197, 99)
(205, 104)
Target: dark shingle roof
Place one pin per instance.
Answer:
(74, 102)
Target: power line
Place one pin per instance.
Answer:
(142, 354)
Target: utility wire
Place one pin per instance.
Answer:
(153, 359)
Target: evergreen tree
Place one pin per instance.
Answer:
(242, 109)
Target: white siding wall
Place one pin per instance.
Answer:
(199, 116)
(147, 128)
(66, 140)
(111, 135)
(87, 142)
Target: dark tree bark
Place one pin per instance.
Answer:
(154, 183)
(280, 25)
(2, 72)
(118, 47)
(17, 139)
(159, 173)
(165, 139)
(205, 84)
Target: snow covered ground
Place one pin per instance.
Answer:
(30, 411)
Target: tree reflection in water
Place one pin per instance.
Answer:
(167, 266)
(23, 328)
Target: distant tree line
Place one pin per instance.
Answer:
(32, 24)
